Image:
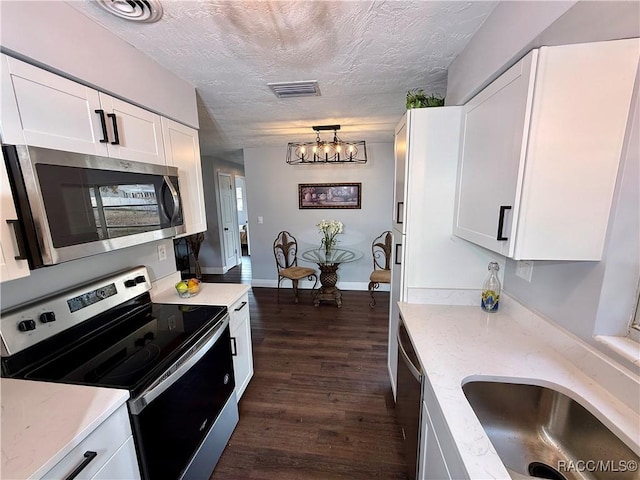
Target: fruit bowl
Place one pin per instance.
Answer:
(188, 288)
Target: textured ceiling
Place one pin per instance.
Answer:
(364, 54)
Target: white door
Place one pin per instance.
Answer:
(42, 109)
(134, 133)
(227, 224)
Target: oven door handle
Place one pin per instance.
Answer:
(179, 368)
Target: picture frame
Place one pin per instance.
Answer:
(329, 195)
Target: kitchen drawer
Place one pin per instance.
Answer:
(105, 441)
(239, 311)
(122, 466)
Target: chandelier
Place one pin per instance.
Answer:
(322, 151)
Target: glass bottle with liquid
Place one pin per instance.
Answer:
(491, 289)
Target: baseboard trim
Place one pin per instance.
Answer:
(306, 285)
(215, 270)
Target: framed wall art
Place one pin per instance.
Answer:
(329, 195)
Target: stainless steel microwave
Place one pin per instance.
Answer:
(72, 205)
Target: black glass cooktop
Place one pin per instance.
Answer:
(130, 351)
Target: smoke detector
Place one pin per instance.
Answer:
(147, 11)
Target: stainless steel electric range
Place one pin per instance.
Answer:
(175, 360)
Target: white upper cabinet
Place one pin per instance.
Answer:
(540, 152)
(182, 150)
(42, 109)
(45, 110)
(133, 132)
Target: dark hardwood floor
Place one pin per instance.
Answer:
(319, 406)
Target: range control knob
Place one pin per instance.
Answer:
(26, 325)
(140, 279)
(47, 317)
(130, 283)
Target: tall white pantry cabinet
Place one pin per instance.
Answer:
(429, 264)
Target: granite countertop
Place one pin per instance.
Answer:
(458, 344)
(42, 422)
(224, 294)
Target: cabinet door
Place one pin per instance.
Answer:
(241, 344)
(45, 110)
(397, 295)
(10, 267)
(122, 466)
(183, 151)
(134, 133)
(400, 150)
(492, 158)
(105, 441)
(432, 464)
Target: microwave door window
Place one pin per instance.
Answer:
(121, 210)
(68, 206)
(84, 205)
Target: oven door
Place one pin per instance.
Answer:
(72, 205)
(183, 421)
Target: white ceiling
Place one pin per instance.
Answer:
(364, 54)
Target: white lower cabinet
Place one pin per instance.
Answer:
(438, 457)
(122, 466)
(432, 464)
(106, 453)
(240, 326)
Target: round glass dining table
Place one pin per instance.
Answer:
(328, 264)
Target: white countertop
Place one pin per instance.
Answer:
(42, 422)
(457, 344)
(223, 294)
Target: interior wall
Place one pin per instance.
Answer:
(272, 192)
(211, 260)
(514, 28)
(57, 37)
(582, 297)
(47, 280)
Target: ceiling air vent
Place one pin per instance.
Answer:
(146, 11)
(307, 88)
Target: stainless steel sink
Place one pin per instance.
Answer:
(541, 433)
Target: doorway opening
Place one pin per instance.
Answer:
(243, 217)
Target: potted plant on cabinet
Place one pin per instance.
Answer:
(416, 98)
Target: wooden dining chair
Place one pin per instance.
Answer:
(285, 249)
(381, 252)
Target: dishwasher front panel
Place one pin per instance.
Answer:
(409, 391)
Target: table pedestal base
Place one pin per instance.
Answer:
(328, 290)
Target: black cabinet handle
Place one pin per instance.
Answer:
(116, 140)
(398, 245)
(88, 456)
(22, 249)
(234, 347)
(240, 307)
(103, 122)
(398, 214)
(503, 209)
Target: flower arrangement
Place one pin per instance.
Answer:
(329, 230)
